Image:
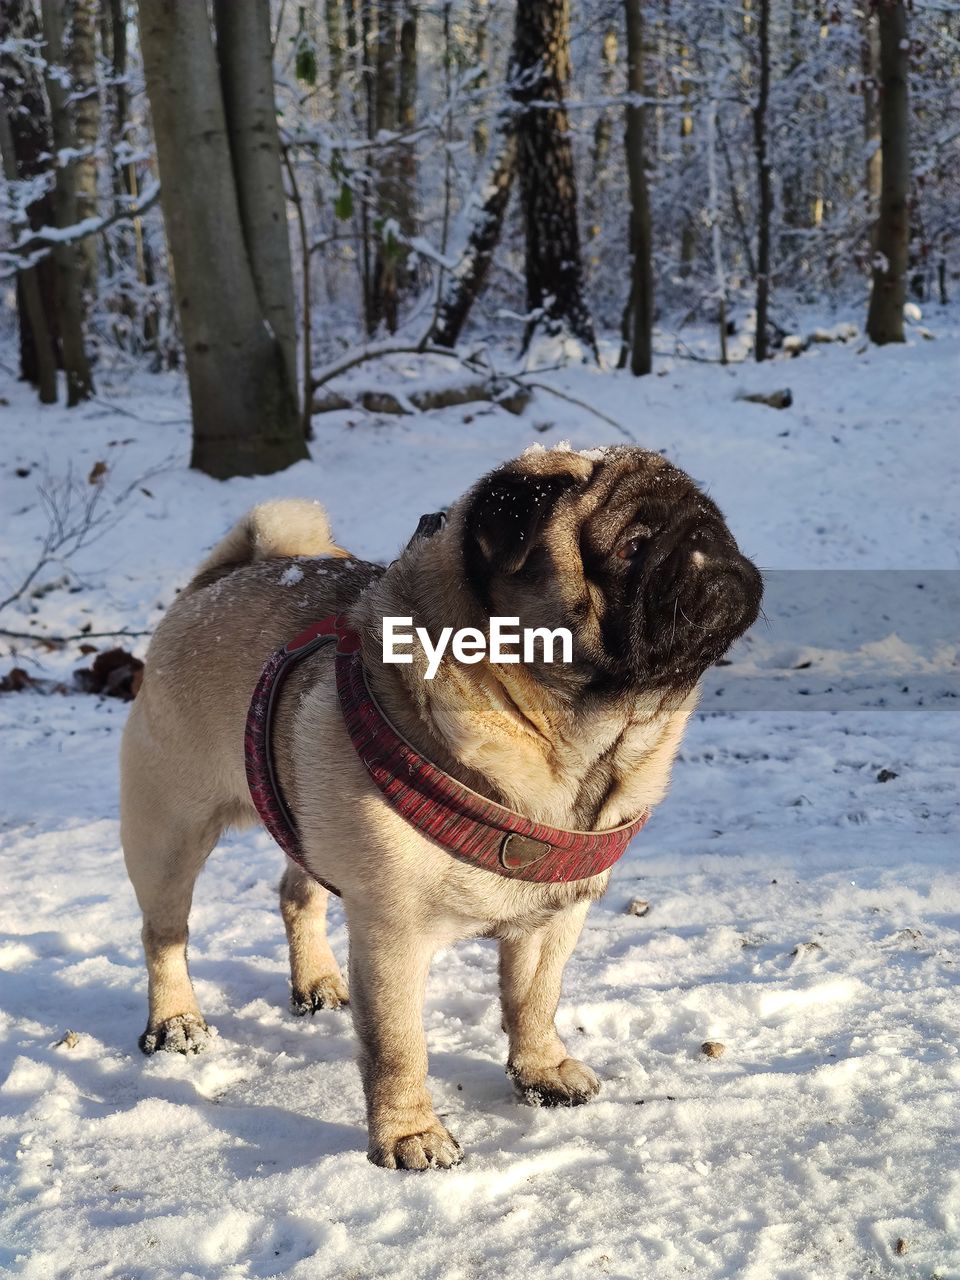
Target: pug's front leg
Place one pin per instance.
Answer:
(388, 976)
(531, 971)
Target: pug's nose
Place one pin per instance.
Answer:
(724, 589)
(704, 548)
(691, 548)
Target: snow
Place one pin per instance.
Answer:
(61, 235)
(564, 446)
(804, 913)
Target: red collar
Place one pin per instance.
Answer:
(468, 825)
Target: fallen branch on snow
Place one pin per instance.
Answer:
(781, 399)
(38, 638)
(378, 401)
(375, 352)
(522, 381)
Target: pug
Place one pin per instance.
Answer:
(616, 545)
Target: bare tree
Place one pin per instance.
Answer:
(688, 220)
(716, 235)
(602, 135)
(638, 318)
(82, 50)
(761, 144)
(406, 122)
(532, 141)
(130, 247)
(33, 317)
(892, 233)
(870, 65)
(467, 282)
(66, 255)
(333, 20)
(384, 287)
(539, 72)
(480, 13)
(242, 385)
(245, 58)
(26, 145)
(794, 210)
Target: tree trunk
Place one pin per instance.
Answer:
(713, 211)
(243, 401)
(366, 101)
(384, 299)
(114, 31)
(639, 325)
(66, 256)
(29, 298)
(130, 243)
(86, 120)
(793, 202)
(870, 54)
(29, 145)
(245, 58)
(353, 50)
(892, 235)
(406, 121)
(467, 282)
(334, 23)
(539, 70)
(764, 183)
(602, 135)
(688, 228)
(481, 13)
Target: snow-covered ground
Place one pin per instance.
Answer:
(803, 912)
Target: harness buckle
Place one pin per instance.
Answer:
(518, 851)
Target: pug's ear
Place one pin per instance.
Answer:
(502, 523)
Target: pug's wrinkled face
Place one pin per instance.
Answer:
(624, 550)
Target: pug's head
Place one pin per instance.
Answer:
(620, 547)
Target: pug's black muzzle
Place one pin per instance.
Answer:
(695, 595)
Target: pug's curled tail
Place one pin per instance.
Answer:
(286, 527)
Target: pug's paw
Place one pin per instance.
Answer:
(328, 992)
(568, 1084)
(186, 1033)
(432, 1148)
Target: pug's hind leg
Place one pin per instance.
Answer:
(388, 977)
(163, 861)
(316, 981)
(531, 971)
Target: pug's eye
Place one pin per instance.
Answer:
(635, 545)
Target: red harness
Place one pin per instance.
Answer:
(466, 824)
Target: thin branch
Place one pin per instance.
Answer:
(128, 413)
(689, 354)
(27, 253)
(69, 529)
(374, 352)
(305, 271)
(352, 359)
(735, 199)
(81, 635)
(279, 27)
(522, 381)
(445, 226)
(76, 518)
